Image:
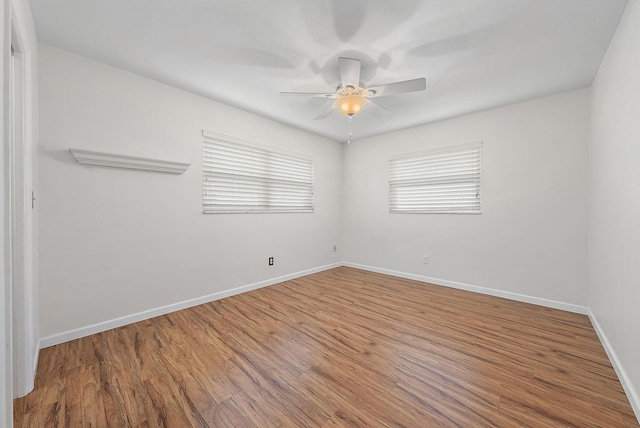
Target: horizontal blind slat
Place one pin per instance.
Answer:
(255, 162)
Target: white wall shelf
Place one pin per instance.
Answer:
(112, 160)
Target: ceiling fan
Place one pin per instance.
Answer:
(352, 95)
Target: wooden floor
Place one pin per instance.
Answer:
(340, 348)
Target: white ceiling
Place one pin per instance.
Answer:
(475, 54)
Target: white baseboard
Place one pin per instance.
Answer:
(631, 392)
(66, 336)
(477, 289)
(30, 382)
(34, 367)
(36, 358)
(26, 382)
(77, 333)
(633, 396)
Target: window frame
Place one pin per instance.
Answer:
(437, 188)
(261, 179)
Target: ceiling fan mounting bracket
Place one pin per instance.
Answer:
(349, 86)
(350, 90)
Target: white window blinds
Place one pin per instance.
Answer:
(241, 177)
(445, 180)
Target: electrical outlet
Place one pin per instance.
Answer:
(335, 248)
(425, 260)
(270, 261)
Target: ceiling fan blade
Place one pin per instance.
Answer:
(349, 72)
(326, 111)
(377, 109)
(306, 94)
(398, 87)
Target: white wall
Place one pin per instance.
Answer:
(614, 199)
(118, 242)
(531, 236)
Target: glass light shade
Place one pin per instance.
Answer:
(350, 104)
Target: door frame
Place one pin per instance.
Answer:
(6, 348)
(18, 186)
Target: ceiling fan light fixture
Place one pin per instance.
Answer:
(351, 104)
(351, 95)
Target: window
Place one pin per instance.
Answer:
(242, 177)
(445, 180)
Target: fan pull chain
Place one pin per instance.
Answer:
(350, 129)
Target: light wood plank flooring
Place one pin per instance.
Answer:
(341, 348)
